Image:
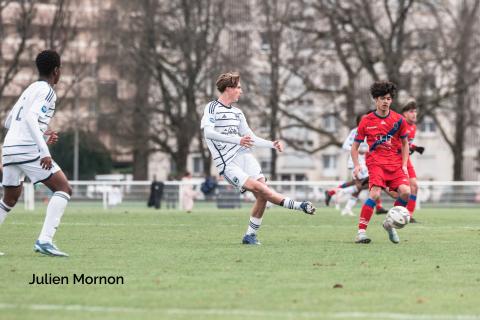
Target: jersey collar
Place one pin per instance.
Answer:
(229, 107)
(379, 116)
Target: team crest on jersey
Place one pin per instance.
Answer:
(235, 180)
(44, 109)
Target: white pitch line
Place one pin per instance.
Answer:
(289, 314)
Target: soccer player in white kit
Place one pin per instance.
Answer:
(230, 140)
(25, 151)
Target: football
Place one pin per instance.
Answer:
(398, 217)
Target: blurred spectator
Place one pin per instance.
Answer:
(188, 194)
(156, 194)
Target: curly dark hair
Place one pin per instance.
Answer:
(381, 88)
(46, 62)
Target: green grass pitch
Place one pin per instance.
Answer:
(192, 266)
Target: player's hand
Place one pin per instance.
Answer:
(278, 145)
(420, 149)
(46, 163)
(404, 169)
(246, 141)
(52, 136)
(356, 171)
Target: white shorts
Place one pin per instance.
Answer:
(242, 167)
(363, 174)
(14, 174)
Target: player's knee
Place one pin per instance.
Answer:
(404, 193)
(10, 201)
(375, 194)
(67, 189)
(258, 188)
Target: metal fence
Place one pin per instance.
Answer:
(109, 194)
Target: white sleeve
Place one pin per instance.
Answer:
(347, 144)
(31, 120)
(257, 141)
(208, 119)
(210, 133)
(8, 121)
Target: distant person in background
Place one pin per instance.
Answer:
(25, 151)
(188, 193)
(156, 194)
(230, 140)
(409, 112)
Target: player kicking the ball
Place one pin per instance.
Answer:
(386, 133)
(230, 141)
(25, 151)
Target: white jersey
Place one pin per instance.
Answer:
(347, 145)
(25, 142)
(229, 121)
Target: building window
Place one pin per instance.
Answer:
(330, 123)
(197, 165)
(265, 165)
(264, 42)
(329, 162)
(428, 125)
(300, 177)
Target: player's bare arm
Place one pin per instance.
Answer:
(405, 154)
(356, 163)
(52, 136)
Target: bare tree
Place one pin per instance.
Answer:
(456, 60)
(172, 54)
(20, 15)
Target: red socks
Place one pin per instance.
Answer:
(366, 214)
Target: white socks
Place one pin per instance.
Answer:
(4, 209)
(254, 225)
(349, 190)
(351, 203)
(56, 208)
(291, 204)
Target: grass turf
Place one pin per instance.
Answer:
(192, 266)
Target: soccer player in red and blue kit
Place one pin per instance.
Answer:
(386, 133)
(409, 112)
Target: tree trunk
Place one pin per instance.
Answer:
(459, 144)
(141, 125)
